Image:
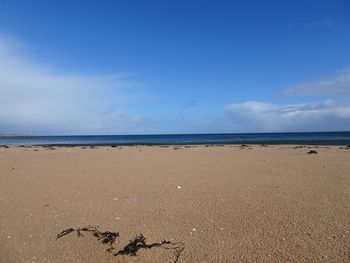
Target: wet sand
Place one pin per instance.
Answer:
(225, 203)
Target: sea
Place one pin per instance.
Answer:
(303, 138)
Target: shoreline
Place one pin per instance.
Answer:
(311, 138)
(210, 144)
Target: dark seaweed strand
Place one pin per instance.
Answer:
(106, 237)
(140, 242)
(178, 247)
(130, 249)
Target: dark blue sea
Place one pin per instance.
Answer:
(311, 138)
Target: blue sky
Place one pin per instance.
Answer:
(145, 67)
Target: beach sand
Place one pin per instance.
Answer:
(225, 203)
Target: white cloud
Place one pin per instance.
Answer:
(36, 99)
(267, 117)
(337, 84)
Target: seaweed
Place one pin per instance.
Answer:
(104, 237)
(140, 242)
(299, 146)
(312, 152)
(65, 232)
(131, 249)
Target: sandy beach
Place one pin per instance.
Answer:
(224, 203)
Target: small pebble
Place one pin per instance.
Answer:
(179, 187)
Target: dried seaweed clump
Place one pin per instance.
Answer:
(105, 237)
(4, 146)
(312, 152)
(140, 242)
(132, 247)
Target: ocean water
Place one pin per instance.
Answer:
(311, 138)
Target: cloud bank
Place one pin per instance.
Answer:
(266, 117)
(36, 99)
(337, 84)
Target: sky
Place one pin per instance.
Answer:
(155, 67)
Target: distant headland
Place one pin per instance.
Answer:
(15, 135)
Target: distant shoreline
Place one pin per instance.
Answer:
(16, 135)
(249, 145)
(330, 138)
